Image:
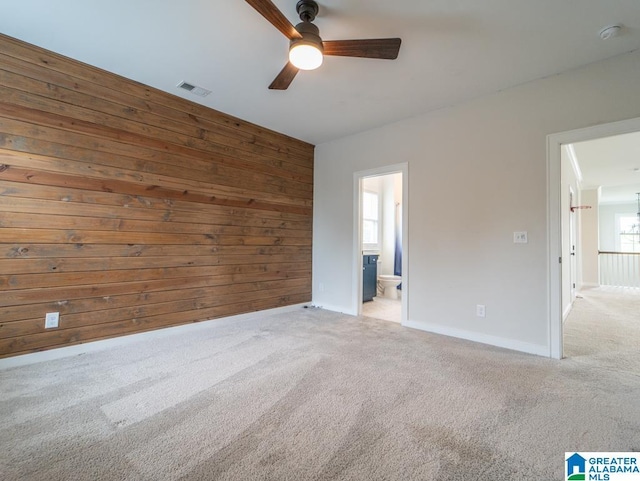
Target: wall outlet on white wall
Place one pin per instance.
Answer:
(520, 237)
(51, 320)
(480, 310)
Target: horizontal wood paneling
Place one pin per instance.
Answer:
(127, 209)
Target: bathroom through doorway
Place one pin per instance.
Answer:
(381, 247)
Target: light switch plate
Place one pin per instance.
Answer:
(520, 237)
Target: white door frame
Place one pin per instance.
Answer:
(554, 225)
(402, 168)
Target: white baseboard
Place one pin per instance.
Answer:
(93, 346)
(512, 344)
(329, 307)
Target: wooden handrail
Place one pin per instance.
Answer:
(612, 252)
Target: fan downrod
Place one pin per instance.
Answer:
(307, 9)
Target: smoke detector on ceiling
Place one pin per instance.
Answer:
(610, 32)
(194, 89)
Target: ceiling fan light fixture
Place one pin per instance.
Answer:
(305, 56)
(306, 53)
(306, 48)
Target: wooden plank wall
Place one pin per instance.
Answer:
(128, 209)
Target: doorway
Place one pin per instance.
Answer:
(380, 247)
(561, 272)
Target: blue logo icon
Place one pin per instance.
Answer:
(576, 467)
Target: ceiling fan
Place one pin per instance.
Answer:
(306, 48)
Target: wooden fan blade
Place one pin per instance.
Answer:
(386, 48)
(268, 10)
(284, 78)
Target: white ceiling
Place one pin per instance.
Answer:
(452, 51)
(612, 163)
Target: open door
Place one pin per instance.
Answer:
(573, 270)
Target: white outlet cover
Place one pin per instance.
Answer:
(480, 310)
(520, 237)
(51, 320)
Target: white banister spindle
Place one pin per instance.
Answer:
(620, 269)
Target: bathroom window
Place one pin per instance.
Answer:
(370, 220)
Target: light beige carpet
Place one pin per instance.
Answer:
(604, 323)
(314, 395)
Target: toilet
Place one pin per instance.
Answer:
(388, 285)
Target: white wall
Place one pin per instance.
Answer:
(477, 173)
(589, 239)
(389, 196)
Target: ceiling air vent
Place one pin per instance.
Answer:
(194, 89)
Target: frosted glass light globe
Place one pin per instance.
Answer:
(305, 57)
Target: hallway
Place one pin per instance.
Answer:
(604, 322)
